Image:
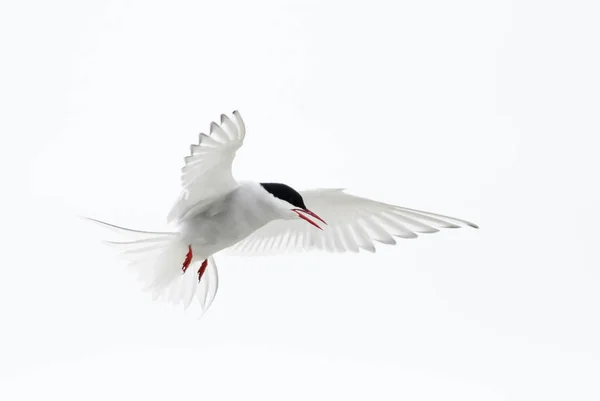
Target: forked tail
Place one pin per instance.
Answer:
(157, 258)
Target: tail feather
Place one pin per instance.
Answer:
(157, 259)
(212, 284)
(185, 288)
(140, 241)
(122, 230)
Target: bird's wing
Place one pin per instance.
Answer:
(207, 173)
(353, 223)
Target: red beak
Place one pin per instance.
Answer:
(300, 214)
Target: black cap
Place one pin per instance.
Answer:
(284, 192)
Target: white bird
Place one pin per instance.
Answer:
(214, 213)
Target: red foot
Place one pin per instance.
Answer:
(188, 259)
(202, 269)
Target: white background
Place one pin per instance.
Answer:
(486, 111)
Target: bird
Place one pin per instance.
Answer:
(215, 213)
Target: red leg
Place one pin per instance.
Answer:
(202, 269)
(188, 259)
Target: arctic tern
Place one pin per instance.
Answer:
(214, 213)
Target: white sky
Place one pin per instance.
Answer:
(486, 111)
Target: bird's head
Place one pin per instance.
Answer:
(291, 203)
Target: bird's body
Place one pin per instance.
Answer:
(216, 213)
(229, 219)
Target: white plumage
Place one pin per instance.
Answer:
(216, 213)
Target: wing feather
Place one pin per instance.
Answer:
(229, 127)
(207, 172)
(364, 242)
(354, 224)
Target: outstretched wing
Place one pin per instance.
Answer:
(207, 174)
(353, 223)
